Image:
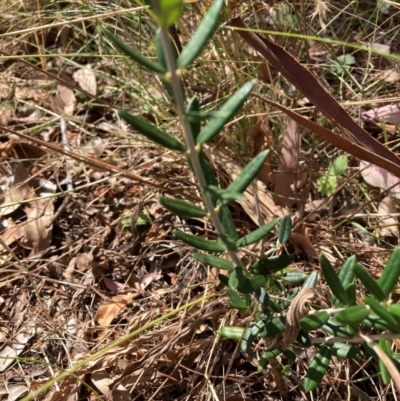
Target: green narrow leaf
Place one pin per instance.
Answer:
(346, 277)
(228, 242)
(314, 321)
(369, 283)
(199, 242)
(303, 339)
(202, 34)
(394, 309)
(294, 277)
(352, 315)
(273, 327)
(272, 264)
(225, 215)
(249, 172)
(318, 367)
(182, 208)
(391, 273)
(351, 290)
(222, 196)
(385, 346)
(231, 332)
(285, 229)
(257, 234)
(332, 279)
(346, 351)
(250, 334)
(214, 261)
(237, 278)
(133, 54)
(374, 321)
(311, 281)
(338, 329)
(383, 313)
(252, 284)
(262, 297)
(237, 301)
(151, 132)
(225, 113)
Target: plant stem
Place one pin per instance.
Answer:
(187, 129)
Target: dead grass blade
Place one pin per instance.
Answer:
(296, 311)
(300, 77)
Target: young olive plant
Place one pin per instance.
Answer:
(280, 315)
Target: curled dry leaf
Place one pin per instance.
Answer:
(16, 192)
(39, 213)
(86, 79)
(296, 311)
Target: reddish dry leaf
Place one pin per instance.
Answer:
(39, 214)
(110, 309)
(304, 243)
(288, 179)
(17, 192)
(388, 114)
(307, 83)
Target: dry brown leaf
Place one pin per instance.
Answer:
(289, 179)
(390, 223)
(296, 311)
(305, 244)
(17, 191)
(86, 79)
(5, 116)
(12, 233)
(64, 101)
(39, 213)
(110, 309)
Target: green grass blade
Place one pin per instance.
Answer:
(369, 283)
(151, 132)
(214, 261)
(133, 54)
(199, 242)
(318, 367)
(333, 280)
(182, 208)
(257, 234)
(202, 34)
(390, 274)
(248, 173)
(225, 113)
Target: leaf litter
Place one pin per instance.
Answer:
(91, 277)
